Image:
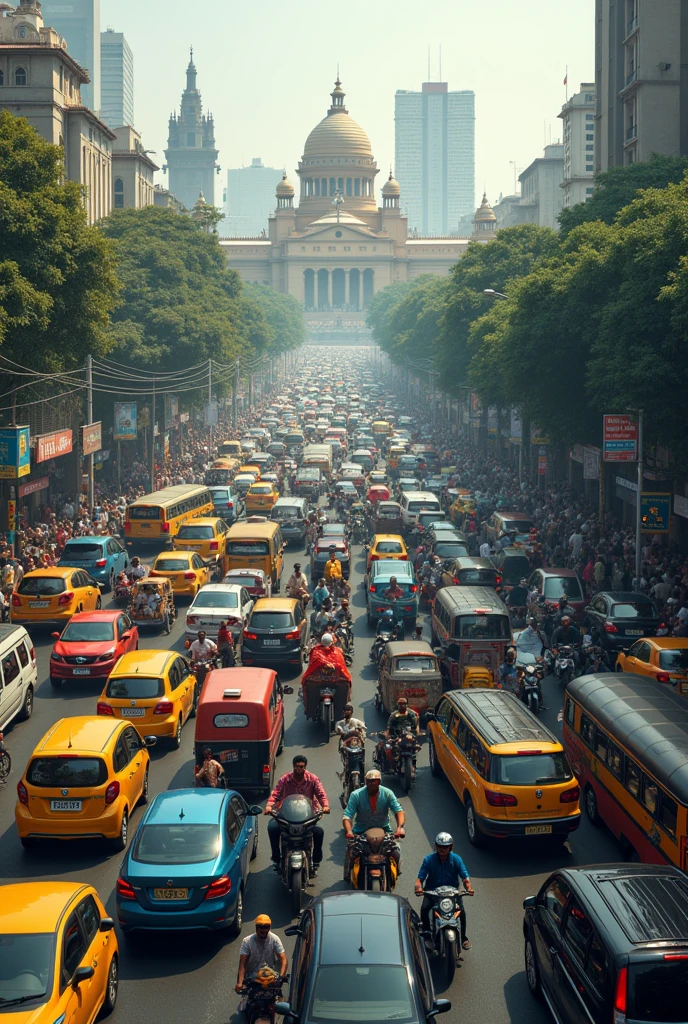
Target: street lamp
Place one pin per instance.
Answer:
(493, 294)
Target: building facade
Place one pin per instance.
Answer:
(132, 171)
(250, 198)
(337, 248)
(117, 79)
(163, 197)
(434, 145)
(542, 197)
(41, 82)
(78, 21)
(578, 119)
(641, 80)
(191, 154)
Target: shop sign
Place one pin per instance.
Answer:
(655, 512)
(33, 486)
(620, 439)
(91, 438)
(51, 446)
(537, 436)
(15, 454)
(542, 465)
(125, 428)
(591, 462)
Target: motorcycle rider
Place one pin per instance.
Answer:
(320, 594)
(333, 568)
(202, 649)
(370, 806)
(348, 725)
(567, 635)
(297, 581)
(136, 570)
(323, 620)
(298, 781)
(263, 947)
(225, 646)
(401, 721)
(518, 596)
(531, 640)
(394, 591)
(563, 609)
(507, 673)
(343, 616)
(443, 867)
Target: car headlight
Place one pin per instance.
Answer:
(55, 657)
(446, 906)
(108, 654)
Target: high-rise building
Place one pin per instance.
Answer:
(250, 198)
(435, 157)
(116, 79)
(578, 116)
(191, 154)
(541, 194)
(641, 80)
(79, 22)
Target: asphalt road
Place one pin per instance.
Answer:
(191, 976)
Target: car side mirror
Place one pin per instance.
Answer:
(150, 741)
(55, 636)
(293, 929)
(430, 716)
(439, 1006)
(255, 809)
(284, 1010)
(125, 636)
(530, 903)
(106, 924)
(82, 974)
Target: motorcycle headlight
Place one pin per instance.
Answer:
(296, 830)
(446, 906)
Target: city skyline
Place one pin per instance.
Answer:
(266, 103)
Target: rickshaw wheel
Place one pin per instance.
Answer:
(281, 743)
(166, 623)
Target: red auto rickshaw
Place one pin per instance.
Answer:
(378, 492)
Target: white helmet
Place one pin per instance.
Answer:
(443, 839)
(326, 639)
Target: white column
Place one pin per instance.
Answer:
(346, 287)
(315, 289)
(329, 288)
(360, 289)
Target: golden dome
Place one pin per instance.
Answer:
(337, 135)
(391, 187)
(484, 211)
(285, 188)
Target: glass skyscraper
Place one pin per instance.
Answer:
(79, 22)
(116, 80)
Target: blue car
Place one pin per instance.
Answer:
(102, 558)
(188, 864)
(377, 582)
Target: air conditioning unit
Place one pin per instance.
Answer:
(663, 66)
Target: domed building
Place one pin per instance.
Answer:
(337, 248)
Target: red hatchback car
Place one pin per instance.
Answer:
(90, 644)
(552, 584)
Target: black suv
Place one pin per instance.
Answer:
(610, 943)
(276, 631)
(617, 618)
(356, 951)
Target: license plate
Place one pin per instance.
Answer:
(634, 632)
(538, 830)
(146, 526)
(271, 643)
(170, 894)
(39, 604)
(65, 805)
(133, 712)
(81, 671)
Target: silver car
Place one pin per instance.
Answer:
(215, 603)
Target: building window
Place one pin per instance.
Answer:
(589, 138)
(333, 186)
(190, 139)
(357, 186)
(340, 185)
(317, 186)
(20, 76)
(348, 186)
(589, 167)
(588, 191)
(323, 186)
(22, 32)
(61, 79)
(2, 77)
(119, 194)
(589, 149)
(589, 117)
(589, 98)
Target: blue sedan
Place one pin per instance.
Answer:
(102, 558)
(189, 863)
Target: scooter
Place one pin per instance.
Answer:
(564, 665)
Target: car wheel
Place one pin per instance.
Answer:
(254, 849)
(55, 683)
(177, 739)
(143, 799)
(28, 842)
(238, 919)
(475, 836)
(27, 706)
(435, 766)
(619, 668)
(99, 604)
(112, 988)
(120, 843)
(532, 972)
(591, 807)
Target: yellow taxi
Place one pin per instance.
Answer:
(662, 658)
(186, 571)
(261, 496)
(387, 545)
(154, 690)
(53, 596)
(60, 957)
(83, 781)
(208, 537)
(510, 773)
(250, 468)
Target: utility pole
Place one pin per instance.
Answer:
(638, 510)
(152, 451)
(210, 402)
(89, 420)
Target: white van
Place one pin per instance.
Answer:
(18, 674)
(413, 501)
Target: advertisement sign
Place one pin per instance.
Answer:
(125, 422)
(591, 462)
(51, 446)
(620, 439)
(492, 420)
(537, 436)
(681, 506)
(34, 486)
(211, 414)
(655, 511)
(516, 427)
(91, 438)
(542, 465)
(15, 454)
(11, 515)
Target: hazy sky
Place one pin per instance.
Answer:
(265, 69)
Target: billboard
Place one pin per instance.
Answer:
(15, 454)
(620, 439)
(91, 438)
(51, 446)
(126, 427)
(655, 512)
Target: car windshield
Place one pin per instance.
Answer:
(483, 627)
(247, 547)
(517, 525)
(557, 586)
(88, 632)
(177, 844)
(368, 994)
(26, 968)
(531, 769)
(220, 494)
(172, 565)
(261, 489)
(657, 991)
(674, 661)
(45, 586)
(68, 770)
(286, 512)
(271, 620)
(216, 599)
(450, 549)
(415, 663)
(135, 687)
(195, 533)
(83, 551)
(633, 610)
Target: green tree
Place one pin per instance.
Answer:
(284, 315)
(380, 306)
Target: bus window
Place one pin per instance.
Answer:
(632, 778)
(601, 744)
(570, 713)
(668, 814)
(649, 795)
(614, 760)
(586, 730)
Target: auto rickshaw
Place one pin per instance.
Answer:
(466, 668)
(378, 493)
(387, 518)
(152, 603)
(462, 508)
(326, 687)
(411, 669)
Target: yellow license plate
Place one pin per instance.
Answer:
(538, 830)
(171, 894)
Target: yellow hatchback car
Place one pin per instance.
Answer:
(154, 690)
(387, 545)
(186, 571)
(60, 957)
(207, 537)
(52, 596)
(261, 496)
(83, 781)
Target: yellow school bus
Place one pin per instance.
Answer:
(157, 517)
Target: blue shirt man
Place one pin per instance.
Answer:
(435, 872)
(370, 807)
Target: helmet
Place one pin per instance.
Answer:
(263, 919)
(326, 639)
(532, 622)
(443, 839)
(388, 614)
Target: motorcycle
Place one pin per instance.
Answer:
(296, 819)
(262, 990)
(379, 645)
(345, 639)
(200, 669)
(445, 927)
(353, 771)
(373, 866)
(398, 757)
(530, 690)
(122, 591)
(564, 665)
(359, 530)
(430, 585)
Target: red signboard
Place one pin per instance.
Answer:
(91, 438)
(33, 486)
(620, 439)
(50, 446)
(542, 465)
